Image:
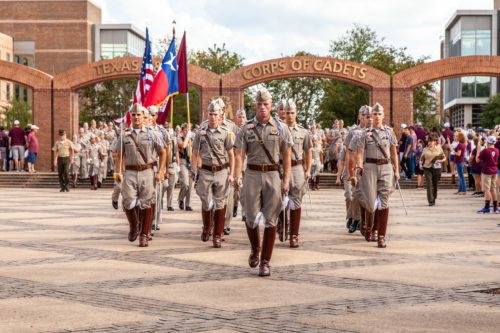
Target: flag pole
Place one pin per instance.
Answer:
(172, 113)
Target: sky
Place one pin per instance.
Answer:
(267, 29)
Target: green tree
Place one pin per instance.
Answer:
(17, 110)
(362, 45)
(490, 116)
(307, 93)
(217, 59)
(106, 101)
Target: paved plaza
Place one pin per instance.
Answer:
(66, 265)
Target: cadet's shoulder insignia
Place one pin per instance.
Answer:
(250, 126)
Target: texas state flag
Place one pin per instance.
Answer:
(166, 82)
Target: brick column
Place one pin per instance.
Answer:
(236, 97)
(402, 106)
(206, 95)
(42, 118)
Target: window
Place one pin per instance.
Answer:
(7, 91)
(457, 115)
(16, 59)
(7, 56)
(483, 86)
(113, 43)
(16, 91)
(25, 94)
(471, 35)
(468, 89)
(25, 61)
(476, 114)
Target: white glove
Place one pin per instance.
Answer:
(178, 169)
(189, 134)
(89, 160)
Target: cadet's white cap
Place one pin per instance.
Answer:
(263, 95)
(378, 108)
(290, 105)
(216, 105)
(153, 110)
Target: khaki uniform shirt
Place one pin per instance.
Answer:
(248, 141)
(368, 139)
(63, 148)
(147, 140)
(301, 142)
(221, 140)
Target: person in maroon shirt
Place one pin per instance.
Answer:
(33, 148)
(17, 144)
(460, 163)
(447, 134)
(489, 169)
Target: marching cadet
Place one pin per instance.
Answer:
(376, 160)
(118, 172)
(301, 169)
(186, 183)
(84, 141)
(173, 170)
(95, 150)
(75, 164)
(103, 158)
(281, 110)
(355, 213)
(137, 145)
(110, 134)
(261, 141)
(214, 146)
(241, 119)
(63, 154)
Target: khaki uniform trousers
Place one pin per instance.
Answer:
(212, 186)
(170, 185)
(103, 169)
(351, 200)
(297, 187)
(262, 192)
(186, 184)
(117, 189)
(84, 172)
(138, 189)
(377, 180)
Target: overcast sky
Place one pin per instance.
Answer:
(266, 29)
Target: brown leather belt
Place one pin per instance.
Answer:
(263, 167)
(140, 167)
(215, 168)
(298, 162)
(378, 161)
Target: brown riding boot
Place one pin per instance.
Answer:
(317, 182)
(147, 221)
(254, 237)
(267, 251)
(94, 186)
(280, 225)
(206, 216)
(294, 227)
(133, 221)
(362, 227)
(220, 219)
(376, 219)
(382, 227)
(369, 217)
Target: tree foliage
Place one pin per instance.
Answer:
(362, 45)
(106, 101)
(490, 116)
(17, 110)
(217, 59)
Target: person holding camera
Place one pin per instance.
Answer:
(430, 161)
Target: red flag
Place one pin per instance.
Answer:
(164, 111)
(183, 66)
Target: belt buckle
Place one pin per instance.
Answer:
(264, 167)
(379, 162)
(214, 168)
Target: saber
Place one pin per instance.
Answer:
(401, 195)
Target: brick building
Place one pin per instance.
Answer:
(6, 54)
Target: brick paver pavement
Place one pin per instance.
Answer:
(66, 265)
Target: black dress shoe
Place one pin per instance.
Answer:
(170, 209)
(99, 184)
(181, 205)
(235, 211)
(189, 209)
(348, 223)
(227, 231)
(354, 226)
(62, 190)
(114, 204)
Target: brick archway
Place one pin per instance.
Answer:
(66, 84)
(41, 83)
(375, 81)
(404, 82)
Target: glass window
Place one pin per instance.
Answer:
(25, 94)
(113, 43)
(7, 56)
(7, 90)
(25, 61)
(16, 91)
(16, 59)
(468, 86)
(483, 85)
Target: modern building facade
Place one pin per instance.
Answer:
(470, 32)
(6, 54)
(117, 40)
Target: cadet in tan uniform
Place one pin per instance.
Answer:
(261, 142)
(241, 119)
(173, 170)
(94, 151)
(186, 183)
(355, 213)
(301, 169)
(138, 189)
(103, 158)
(214, 146)
(376, 160)
(75, 163)
(63, 154)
